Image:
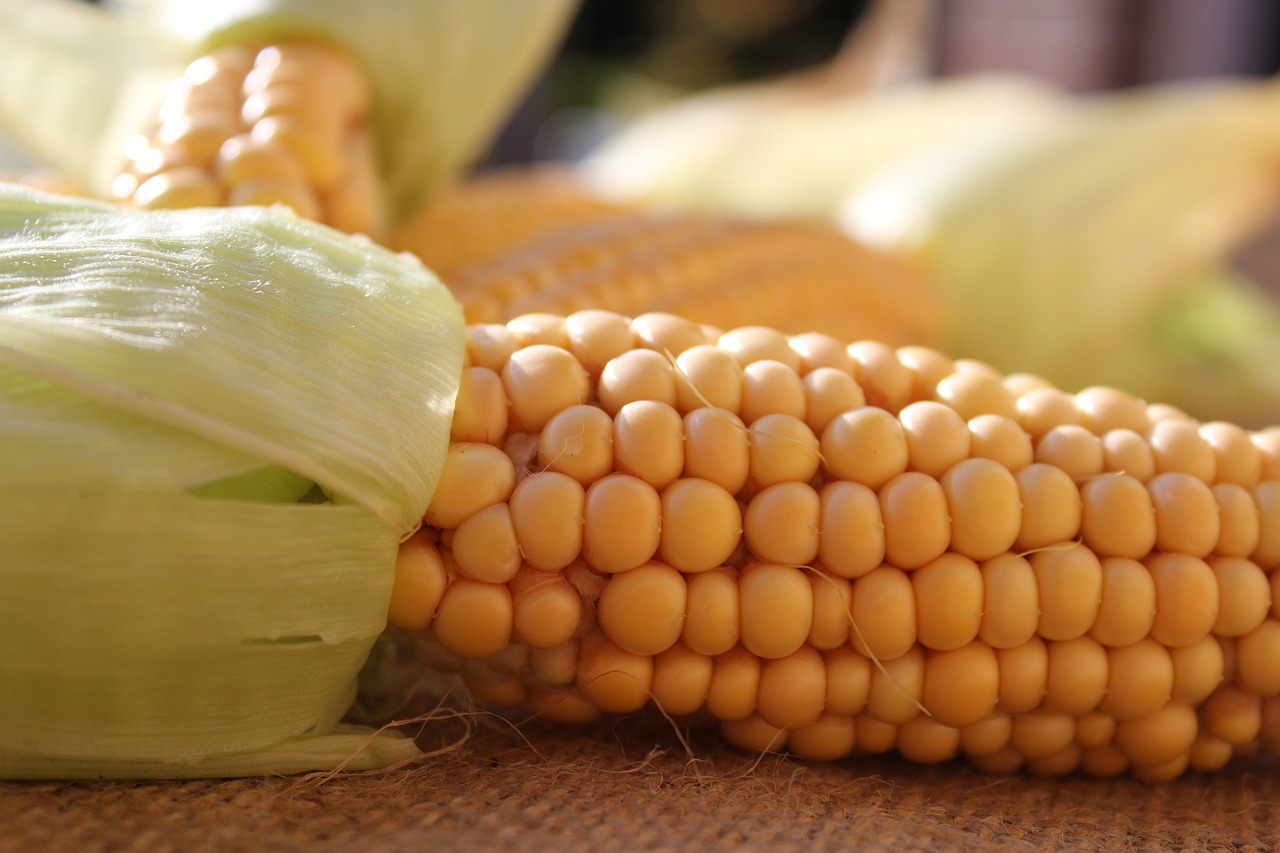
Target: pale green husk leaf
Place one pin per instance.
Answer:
(169, 384)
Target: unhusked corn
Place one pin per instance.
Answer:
(275, 124)
(855, 549)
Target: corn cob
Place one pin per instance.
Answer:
(794, 276)
(285, 123)
(841, 550)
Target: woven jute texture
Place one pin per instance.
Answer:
(639, 784)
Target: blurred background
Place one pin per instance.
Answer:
(624, 56)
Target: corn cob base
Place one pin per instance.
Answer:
(840, 550)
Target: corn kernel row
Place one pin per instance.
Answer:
(282, 124)
(821, 540)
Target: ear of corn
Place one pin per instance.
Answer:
(842, 549)
(79, 80)
(522, 241)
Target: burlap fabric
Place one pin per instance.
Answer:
(640, 784)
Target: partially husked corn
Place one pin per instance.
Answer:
(846, 549)
(283, 124)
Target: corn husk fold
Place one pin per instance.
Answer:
(169, 383)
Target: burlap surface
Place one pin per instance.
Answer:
(636, 784)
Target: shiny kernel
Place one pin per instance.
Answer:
(319, 149)
(1187, 520)
(1104, 409)
(985, 507)
(542, 380)
(474, 619)
(1041, 410)
(295, 195)
(961, 685)
(637, 374)
(949, 597)
(896, 690)
(1267, 498)
(547, 511)
(973, 393)
(1159, 738)
(241, 159)
(480, 412)
(753, 734)
(817, 350)
(474, 476)
(1024, 676)
(578, 441)
(828, 738)
(1186, 598)
(927, 366)
(539, 328)
(988, 736)
(1117, 518)
(485, 546)
(1267, 443)
(750, 344)
(180, 187)
(775, 608)
(1041, 734)
(1244, 595)
(1233, 714)
(937, 437)
(769, 388)
(832, 597)
(781, 524)
(613, 679)
(782, 449)
(490, 345)
(885, 381)
(668, 333)
(420, 580)
(865, 445)
(793, 689)
(1051, 507)
(848, 680)
(1011, 601)
(648, 442)
(1256, 656)
(1096, 727)
(1239, 525)
(1178, 446)
(681, 680)
(1074, 449)
(712, 608)
(1077, 678)
(717, 448)
(917, 522)
(1002, 440)
(1127, 452)
(1070, 581)
(623, 519)
(926, 740)
(547, 611)
(874, 737)
(701, 525)
(850, 529)
(594, 337)
(735, 683)
(828, 393)
(1198, 669)
(1128, 607)
(884, 613)
(708, 376)
(642, 609)
(1236, 459)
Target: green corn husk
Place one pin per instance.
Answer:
(171, 384)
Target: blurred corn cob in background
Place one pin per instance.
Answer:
(1088, 239)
